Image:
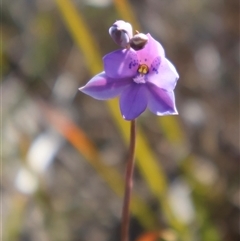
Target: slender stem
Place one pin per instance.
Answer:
(128, 184)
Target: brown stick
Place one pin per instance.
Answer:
(128, 184)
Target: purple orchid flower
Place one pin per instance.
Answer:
(142, 79)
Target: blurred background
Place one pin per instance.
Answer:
(64, 153)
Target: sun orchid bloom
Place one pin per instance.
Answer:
(143, 79)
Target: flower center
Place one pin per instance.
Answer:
(142, 71)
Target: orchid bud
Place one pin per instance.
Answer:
(138, 41)
(121, 33)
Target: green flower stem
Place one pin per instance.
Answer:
(128, 184)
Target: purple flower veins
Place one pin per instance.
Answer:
(142, 79)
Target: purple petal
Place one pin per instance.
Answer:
(121, 63)
(163, 75)
(102, 87)
(160, 101)
(151, 51)
(133, 101)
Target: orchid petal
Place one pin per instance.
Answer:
(151, 51)
(161, 102)
(163, 75)
(133, 101)
(121, 63)
(102, 87)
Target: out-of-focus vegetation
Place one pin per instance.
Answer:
(64, 153)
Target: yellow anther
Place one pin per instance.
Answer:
(143, 69)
